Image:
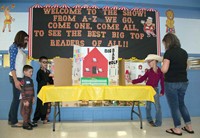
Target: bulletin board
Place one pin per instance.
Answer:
(54, 30)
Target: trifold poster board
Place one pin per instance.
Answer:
(133, 68)
(62, 71)
(95, 65)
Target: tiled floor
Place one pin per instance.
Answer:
(125, 129)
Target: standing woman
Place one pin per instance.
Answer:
(176, 82)
(17, 62)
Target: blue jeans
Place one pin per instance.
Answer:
(175, 93)
(13, 113)
(158, 118)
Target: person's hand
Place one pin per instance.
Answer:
(128, 80)
(51, 75)
(161, 94)
(18, 85)
(142, 21)
(26, 103)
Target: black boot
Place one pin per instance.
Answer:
(32, 124)
(27, 127)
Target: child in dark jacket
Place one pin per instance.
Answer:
(43, 78)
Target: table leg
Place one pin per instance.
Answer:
(140, 115)
(54, 117)
(59, 111)
(56, 105)
(137, 113)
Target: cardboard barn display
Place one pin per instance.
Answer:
(62, 71)
(133, 69)
(95, 65)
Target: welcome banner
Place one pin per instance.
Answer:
(54, 30)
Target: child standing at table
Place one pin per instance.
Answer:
(43, 78)
(153, 76)
(27, 97)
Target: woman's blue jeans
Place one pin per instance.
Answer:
(13, 113)
(175, 93)
(158, 118)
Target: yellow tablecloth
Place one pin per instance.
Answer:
(51, 93)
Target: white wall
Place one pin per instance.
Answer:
(187, 30)
(20, 23)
